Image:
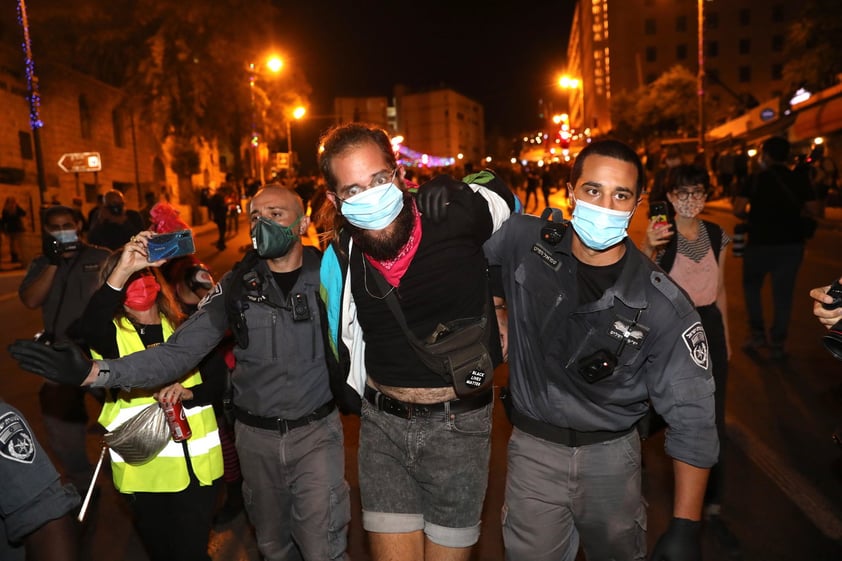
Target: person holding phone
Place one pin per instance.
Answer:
(692, 252)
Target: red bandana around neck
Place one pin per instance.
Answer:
(393, 269)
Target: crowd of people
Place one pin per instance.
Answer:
(422, 286)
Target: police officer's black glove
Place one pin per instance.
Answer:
(52, 249)
(680, 542)
(434, 196)
(64, 363)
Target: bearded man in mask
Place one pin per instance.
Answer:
(60, 281)
(288, 433)
(597, 335)
(424, 451)
(114, 225)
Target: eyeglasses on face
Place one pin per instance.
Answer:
(697, 194)
(383, 178)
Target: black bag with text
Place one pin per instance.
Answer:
(455, 350)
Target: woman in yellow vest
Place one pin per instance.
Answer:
(172, 496)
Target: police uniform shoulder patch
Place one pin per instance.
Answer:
(212, 293)
(16, 442)
(696, 341)
(666, 286)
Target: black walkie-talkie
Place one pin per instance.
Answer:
(554, 227)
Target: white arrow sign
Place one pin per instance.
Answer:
(77, 162)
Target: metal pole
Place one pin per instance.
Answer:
(34, 101)
(289, 147)
(254, 140)
(140, 200)
(701, 78)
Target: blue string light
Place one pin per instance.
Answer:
(31, 79)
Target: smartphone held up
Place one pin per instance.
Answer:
(168, 246)
(660, 212)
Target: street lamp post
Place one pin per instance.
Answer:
(274, 64)
(297, 114)
(254, 141)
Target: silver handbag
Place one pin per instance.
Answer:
(142, 437)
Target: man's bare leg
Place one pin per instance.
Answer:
(407, 546)
(436, 552)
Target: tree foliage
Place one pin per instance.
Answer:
(814, 46)
(183, 65)
(668, 107)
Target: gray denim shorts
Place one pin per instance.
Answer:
(425, 473)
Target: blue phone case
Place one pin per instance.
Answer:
(167, 246)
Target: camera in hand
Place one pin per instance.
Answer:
(833, 340)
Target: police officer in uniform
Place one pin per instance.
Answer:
(595, 333)
(288, 433)
(35, 509)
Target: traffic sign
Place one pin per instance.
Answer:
(282, 160)
(77, 162)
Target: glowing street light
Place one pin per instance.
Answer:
(566, 82)
(274, 64)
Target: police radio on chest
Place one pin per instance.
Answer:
(554, 226)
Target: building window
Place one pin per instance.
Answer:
(745, 16)
(711, 20)
(681, 24)
(712, 75)
(777, 43)
(651, 54)
(681, 52)
(713, 49)
(649, 26)
(119, 130)
(777, 71)
(84, 117)
(745, 46)
(778, 13)
(745, 73)
(25, 141)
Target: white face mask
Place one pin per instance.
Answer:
(65, 236)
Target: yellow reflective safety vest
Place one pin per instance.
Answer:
(167, 472)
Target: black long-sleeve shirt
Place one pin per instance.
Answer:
(99, 332)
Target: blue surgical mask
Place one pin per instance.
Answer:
(374, 208)
(598, 227)
(65, 236)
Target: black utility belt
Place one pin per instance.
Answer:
(563, 436)
(283, 426)
(408, 410)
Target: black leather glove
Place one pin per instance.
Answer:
(51, 248)
(434, 196)
(680, 542)
(64, 363)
